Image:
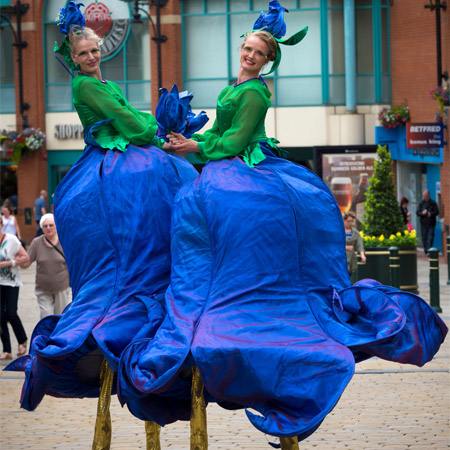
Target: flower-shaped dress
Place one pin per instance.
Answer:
(260, 298)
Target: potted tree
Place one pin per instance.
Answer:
(383, 227)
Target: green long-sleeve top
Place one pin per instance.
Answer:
(239, 125)
(97, 100)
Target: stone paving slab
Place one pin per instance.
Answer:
(386, 406)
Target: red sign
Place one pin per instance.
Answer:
(424, 135)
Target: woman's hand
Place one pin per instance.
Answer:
(350, 248)
(181, 144)
(168, 147)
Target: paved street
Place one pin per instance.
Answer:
(385, 406)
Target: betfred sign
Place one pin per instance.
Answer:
(424, 135)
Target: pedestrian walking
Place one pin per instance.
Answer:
(52, 277)
(427, 212)
(10, 224)
(40, 208)
(353, 242)
(12, 254)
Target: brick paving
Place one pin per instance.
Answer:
(386, 405)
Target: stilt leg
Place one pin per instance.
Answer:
(152, 430)
(103, 430)
(199, 435)
(289, 443)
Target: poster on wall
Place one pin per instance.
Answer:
(346, 171)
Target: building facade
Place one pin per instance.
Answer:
(327, 92)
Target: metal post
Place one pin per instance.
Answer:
(350, 55)
(434, 279)
(394, 266)
(448, 259)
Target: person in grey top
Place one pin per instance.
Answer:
(52, 277)
(40, 208)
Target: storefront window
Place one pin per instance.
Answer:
(312, 73)
(7, 91)
(125, 53)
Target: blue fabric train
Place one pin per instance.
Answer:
(112, 212)
(261, 302)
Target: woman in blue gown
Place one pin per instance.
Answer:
(260, 299)
(113, 213)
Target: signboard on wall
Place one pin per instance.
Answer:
(425, 135)
(346, 170)
(110, 20)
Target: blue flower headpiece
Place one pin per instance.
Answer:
(273, 23)
(174, 113)
(68, 17)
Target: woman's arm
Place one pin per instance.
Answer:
(19, 235)
(22, 257)
(31, 256)
(251, 109)
(137, 127)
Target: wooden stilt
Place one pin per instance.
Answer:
(103, 430)
(199, 434)
(152, 431)
(289, 443)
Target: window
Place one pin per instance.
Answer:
(7, 53)
(125, 54)
(311, 73)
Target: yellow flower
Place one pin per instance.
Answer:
(406, 232)
(373, 238)
(361, 233)
(381, 238)
(398, 234)
(391, 236)
(366, 238)
(413, 233)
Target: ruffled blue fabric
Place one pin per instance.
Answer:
(112, 211)
(70, 16)
(174, 113)
(273, 21)
(260, 300)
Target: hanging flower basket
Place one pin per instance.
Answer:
(442, 95)
(16, 144)
(394, 116)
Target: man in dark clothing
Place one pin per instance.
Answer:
(427, 211)
(40, 208)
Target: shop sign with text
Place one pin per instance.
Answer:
(424, 135)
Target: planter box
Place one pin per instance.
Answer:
(377, 267)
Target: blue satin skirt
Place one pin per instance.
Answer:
(113, 213)
(261, 302)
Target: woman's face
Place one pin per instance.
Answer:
(254, 55)
(87, 55)
(349, 222)
(49, 228)
(5, 212)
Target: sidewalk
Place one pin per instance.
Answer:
(385, 406)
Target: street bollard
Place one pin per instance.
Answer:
(394, 266)
(448, 259)
(434, 279)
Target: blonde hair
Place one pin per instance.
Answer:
(77, 34)
(268, 39)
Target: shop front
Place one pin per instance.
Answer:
(418, 168)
